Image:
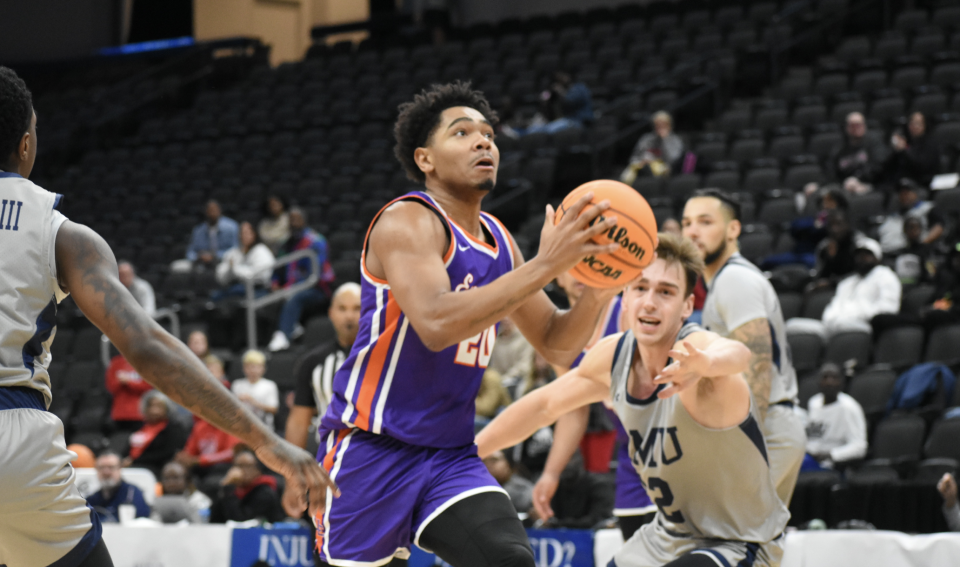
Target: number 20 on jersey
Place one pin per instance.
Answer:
(476, 350)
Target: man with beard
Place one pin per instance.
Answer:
(315, 369)
(742, 305)
(114, 491)
(437, 276)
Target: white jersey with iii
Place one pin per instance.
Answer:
(740, 293)
(29, 291)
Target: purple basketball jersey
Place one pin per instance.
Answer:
(393, 385)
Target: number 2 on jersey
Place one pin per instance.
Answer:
(476, 350)
(665, 499)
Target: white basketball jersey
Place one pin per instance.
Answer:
(29, 291)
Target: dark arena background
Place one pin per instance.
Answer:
(828, 121)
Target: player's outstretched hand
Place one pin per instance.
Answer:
(543, 492)
(948, 489)
(303, 475)
(686, 368)
(566, 243)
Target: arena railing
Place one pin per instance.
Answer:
(253, 303)
(159, 315)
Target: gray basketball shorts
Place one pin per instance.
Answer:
(43, 519)
(652, 546)
(786, 444)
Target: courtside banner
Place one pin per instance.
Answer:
(169, 546)
(551, 548)
(279, 547)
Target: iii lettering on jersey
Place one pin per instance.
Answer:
(9, 221)
(644, 449)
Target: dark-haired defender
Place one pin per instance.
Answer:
(438, 274)
(43, 257)
(742, 305)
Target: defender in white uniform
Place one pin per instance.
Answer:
(43, 519)
(742, 305)
(694, 436)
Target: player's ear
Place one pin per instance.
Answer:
(688, 306)
(733, 229)
(423, 159)
(23, 148)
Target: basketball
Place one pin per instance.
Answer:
(85, 458)
(635, 232)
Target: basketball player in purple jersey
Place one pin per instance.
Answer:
(438, 274)
(632, 506)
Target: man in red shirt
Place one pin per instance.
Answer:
(127, 387)
(208, 450)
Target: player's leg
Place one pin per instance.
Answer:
(99, 557)
(786, 445)
(479, 531)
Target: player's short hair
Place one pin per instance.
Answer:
(16, 110)
(420, 117)
(730, 205)
(673, 248)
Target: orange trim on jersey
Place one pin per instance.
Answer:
(366, 239)
(374, 371)
(328, 459)
(477, 240)
(507, 237)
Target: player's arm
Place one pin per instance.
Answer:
(567, 435)
(407, 245)
(558, 334)
(87, 269)
(706, 374)
(755, 334)
(582, 386)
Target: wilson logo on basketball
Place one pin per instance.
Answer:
(620, 235)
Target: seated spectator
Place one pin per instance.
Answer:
(582, 499)
(945, 309)
(568, 104)
(156, 443)
(836, 426)
(857, 162)
(258, 393)
(250, 261)
(492, 395)
(215, 366)
(301, 238)
(114, 491)
(141, 289)
(657, 153)
(198, 344)
(809, 230)
(915, 154)
(209, 450)
(211, 239)
(177, 503)
(274, 228)
(512, 354)
(835, 252)
(951, 510)
(518, 488)
(914, 264)
(539, 373)
(246, 493)
(672, 226)
(127, 388)
(892, 236)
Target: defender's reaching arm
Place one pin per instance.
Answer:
(87, 269)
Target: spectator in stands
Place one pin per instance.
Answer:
(892, 235)
(127, 387)
(657, 153)
(873, 289)
(512, 354)
(174, 504)
(945, 309)
(209, 450)
(156, 443)
(274, 228)
(315, 370)
(246, 493)
(672, 226)
(141, 289)
(518, 488)
(301, 238)
(951, 510)
(582, 499)
(858, 161)
(492, 395)
(836, 252)
(211, 239)
(198, 344)
(915, 155)
(810, 230)
(215, 366)
(836, 426)
(259, 393)
(252, 260)
(114, 491)
(568, 104)
(914, 264)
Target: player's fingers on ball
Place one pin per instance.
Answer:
(574, 211)
(599, 228)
